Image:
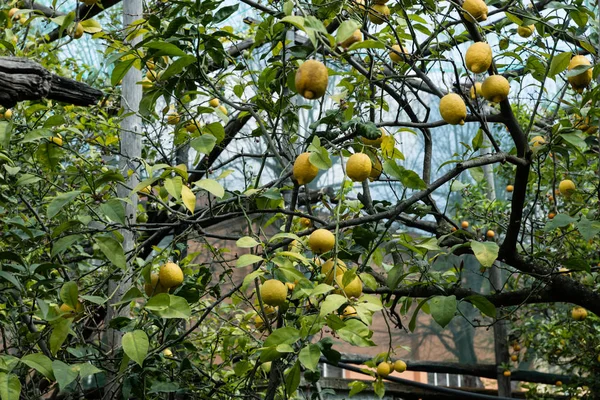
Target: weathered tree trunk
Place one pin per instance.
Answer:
(22, 79)
(130, 154)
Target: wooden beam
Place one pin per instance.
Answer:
(22, 79)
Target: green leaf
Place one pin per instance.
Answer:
(578, 70)
(483, 304)
(319, 156)
(247, 259)
(36, 134)
(559, 63)
(69, 294)
(204, 144)
(443, 309)
(559, 221)
(177, 66)
(575, 139)
(63, 243)
(27, 179)
(10, 387)
(173, 186)
(332, 303)
(476, 173)
(292, 379)
(285, 335)
(95, 299)
(321, 288)
(485, 252)
(577, 264)
(379, 388)
(346, 29)
(356, 387)
(114, 210)
(215, 129)
(223, 13)
(87, 369)
(135, 345)
(211, 186)
(367, 44)
(309, 356)
(158, 302)
(246, 242)
(587, 228)
(408, 178)
(59, 202)
(112, 250)
(413, 321)
(295, 20)
(60, 331)
(40, 363)
(11, 278)
(189, 198)
(65, 374)
(514, 18)
(288, 7)
(120, 70)
(178, 308)
(165, 48)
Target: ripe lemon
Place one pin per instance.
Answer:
(146, 84)
(566, 187)
(304, 172)
(170, 275)
(551, 215)
(191, 127)
(475, 10)
(305, 222)
(378, 13)
(214, 103)
(358, 167)
(525, 30)
(478, 57)
(537, 141)
(374, 142)
(312, 79)
(581, 81)
(584, 125)
(506, 373)
(352, 289)
(57, 140)
(579, 313)
(78, 33)
(398, 58)
(167, 353)
(8, 114)
(510, 188)
(453, 109)
(173, 118)
(349, 312)
(273, 292)
(464, 224)
(490, 234)
(384, 369)
(11, 12)
(514, 357)
(321, 241)
(356, 37)
(495, 88)
(476, 90)
(258, 322)
(376, 169)
(399, 366)
(328, 267)
(154, 287)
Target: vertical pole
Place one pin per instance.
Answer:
(500, 328)
(131, 145)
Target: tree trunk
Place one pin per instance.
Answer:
(128, 165)
(500, 328)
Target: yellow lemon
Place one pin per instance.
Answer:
(304, 172)
(167, 353)
(537, 141)
(214, 103)
(525, 30)
(352, 289)
(11, 12)
(495, 88)
(170, 275)
(273, 292)
(57, 140)
(258, 322)
(378, 13)
(312, 79)
(581, 81)
(476, 90)
(453, 109)
(321, 241)
(384, 369)
(374, 142)
(8, 114)
(398, 58)
(349, 312)
(154, 287)
(399, 366)
(475, 10)
(566, 187)
(328, 267)
(579, 313)
(173, 118)
(510, 188)
(356, 37)
(146, 84)
(78, 33)
(478, 57)
(305, 222)
(358, 167)
(222, 109)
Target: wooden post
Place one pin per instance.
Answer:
(128, 164)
